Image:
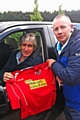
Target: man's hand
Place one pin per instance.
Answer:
(50, 62)
(60, 82)
(7, 76)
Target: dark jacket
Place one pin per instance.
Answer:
(67, 68)
(12, 65)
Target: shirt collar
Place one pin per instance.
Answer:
(18, 55)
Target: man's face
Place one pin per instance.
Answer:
(62, 30)
(27, 48)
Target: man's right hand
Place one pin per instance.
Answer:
(50, 62)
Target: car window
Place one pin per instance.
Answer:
(13, 40)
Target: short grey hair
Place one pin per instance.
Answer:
(29, 37)
(62, 15)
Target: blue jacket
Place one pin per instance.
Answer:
(67, 68)
(12, 65)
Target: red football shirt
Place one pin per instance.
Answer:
(32, 90)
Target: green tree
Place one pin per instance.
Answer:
(36, 16)
(60, 10)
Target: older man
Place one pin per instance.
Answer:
(19, 59)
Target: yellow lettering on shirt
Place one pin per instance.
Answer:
(36, 84)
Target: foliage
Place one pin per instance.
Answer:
(60, 11)
(46, 15)
(36, 14)
(16, 36)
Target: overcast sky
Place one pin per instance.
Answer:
(44, 5)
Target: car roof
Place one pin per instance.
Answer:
(9, 24)
(6, 25)
(77, 25)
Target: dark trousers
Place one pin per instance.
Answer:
(71, 114)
